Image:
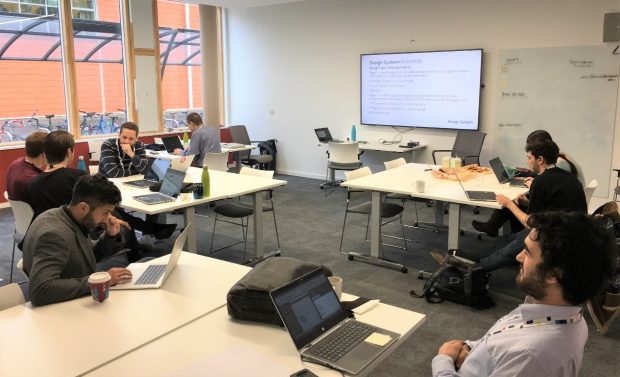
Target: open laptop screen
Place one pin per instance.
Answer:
(157, 169)
(499, 170)
(173, 181)
(171, 143)
(323, 134)
(308, 307)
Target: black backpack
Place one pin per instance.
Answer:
(458, 282)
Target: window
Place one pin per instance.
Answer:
(83, 9)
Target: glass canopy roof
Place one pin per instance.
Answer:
(37, 38)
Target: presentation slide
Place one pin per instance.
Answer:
(438, 89)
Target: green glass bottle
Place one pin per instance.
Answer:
(206, 181)
(185, 139)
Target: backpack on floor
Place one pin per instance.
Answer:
(459, 282)
(249, 298)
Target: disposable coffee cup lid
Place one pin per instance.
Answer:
(99, 277)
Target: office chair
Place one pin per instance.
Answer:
(467, 146)
(239, 134)
(357, 204)
(341, 156)
(23, 213)
(11, 295)
(392, 164)
(242, 210)
(216, 161)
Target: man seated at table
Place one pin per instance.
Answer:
(23, 170)
(58, 253)
(204, 140)
(566, 260)
(553, 189)
(125, 156)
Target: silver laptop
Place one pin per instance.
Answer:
(320, 328)
(479, 196)
(169, 190)
(155, 172)
(502, 174)
(148, 276)
(182, 163)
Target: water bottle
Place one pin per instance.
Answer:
(81, 165)
(353, 134)
(457, 162)
(445, 162)
(206, 181)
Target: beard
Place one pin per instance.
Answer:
(88, 222)
(533, 285)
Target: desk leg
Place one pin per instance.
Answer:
(376, 251)
(189, 215)
(454, 223)
(259, 240)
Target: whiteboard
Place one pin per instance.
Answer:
(569, 91)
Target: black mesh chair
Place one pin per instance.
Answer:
(467, 146)
(239, 134)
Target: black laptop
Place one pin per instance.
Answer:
(502, 174)
(155, 172)
(171, 143)
(321, 329)
(325, 136)
(480, 196)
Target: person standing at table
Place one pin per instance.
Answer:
(23, 170)
(125, 155)
(566, 260)
(204, 140)
(59, 256)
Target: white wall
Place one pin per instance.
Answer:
(294, 67)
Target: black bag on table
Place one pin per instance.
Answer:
(460, 282)
(249, 298)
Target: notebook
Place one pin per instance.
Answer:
(171, 143)
(502, 174)
(155, 172)
(480, 196)
(316, 321)
(148, 276)
(325, 136)
(170, 188)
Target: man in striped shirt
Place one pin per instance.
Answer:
(123, 156)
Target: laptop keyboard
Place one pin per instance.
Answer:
(151, 275)
(341, 341)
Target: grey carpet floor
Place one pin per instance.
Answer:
(309, 225)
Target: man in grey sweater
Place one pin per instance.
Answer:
(58, 254)
(204, 140)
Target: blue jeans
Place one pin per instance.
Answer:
(505, 256)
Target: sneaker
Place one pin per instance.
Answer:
(164, 231)
(482, 228)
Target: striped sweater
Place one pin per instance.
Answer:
(113, 162)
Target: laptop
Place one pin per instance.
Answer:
(155, 172)
(169, 190)
(502, 174)
(182, 163)
(325, 136)
(171, 143)
(480, 196)
(149, 276)
(315, 319)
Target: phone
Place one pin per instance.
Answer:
(303, 373)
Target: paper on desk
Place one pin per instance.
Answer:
(365, 307)
(378, 339)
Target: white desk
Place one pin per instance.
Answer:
(401, 180)
(70, 338)
(220, 346)
(225, 148)
(223, 185)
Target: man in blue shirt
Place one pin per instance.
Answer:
(204, 140)
(567, 258)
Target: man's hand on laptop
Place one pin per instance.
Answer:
(178, 151)
(119, 275)
(528, 181)
(503, 201)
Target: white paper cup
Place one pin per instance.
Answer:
(336, 283)
(420, 185)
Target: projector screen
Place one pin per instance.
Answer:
(432, 89)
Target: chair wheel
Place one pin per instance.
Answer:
(403, 270)
(350, 257)
(476, 211)
(479, 236)
(415, 224)
(445, 211)
(420, 276)
(461, 232)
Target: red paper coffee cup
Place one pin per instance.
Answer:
(99, 285)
